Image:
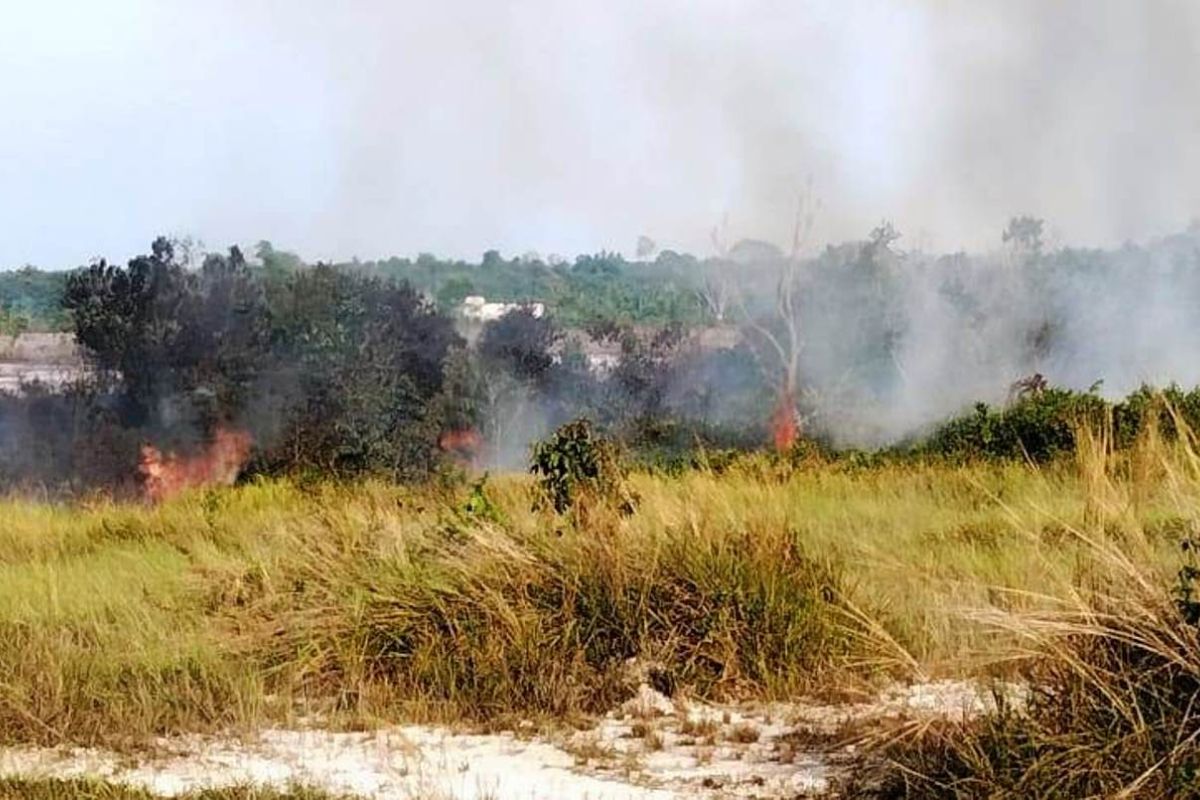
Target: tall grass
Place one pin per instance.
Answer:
(372, 602)
(375, 602)
(478, 618)
(1112, 668)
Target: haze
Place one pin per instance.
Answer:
(373, 128)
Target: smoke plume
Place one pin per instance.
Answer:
(372, 127)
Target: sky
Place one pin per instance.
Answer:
(369, 129)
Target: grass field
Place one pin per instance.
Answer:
(371, 603)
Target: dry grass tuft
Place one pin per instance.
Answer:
(743, 733)
(699, 727)
(1113, 667)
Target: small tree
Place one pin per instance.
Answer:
(577, 464)
(11, 323)
(178, 341)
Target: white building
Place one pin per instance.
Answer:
(477, 309)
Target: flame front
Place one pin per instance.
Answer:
(464, 445)
(784, 430)
(218, 463)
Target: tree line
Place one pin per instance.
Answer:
(334, 371)
(353, 368)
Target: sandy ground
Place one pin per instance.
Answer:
(403, 762)
(649, 748)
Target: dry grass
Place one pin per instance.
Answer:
(373, 603)
(743, 733)
(589, 749)
(1113, 666)
(699, 727)
(368, 603)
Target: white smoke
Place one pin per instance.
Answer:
(370, 128)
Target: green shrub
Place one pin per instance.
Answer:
(1038, 427)
(576, 463)
(1169, 409)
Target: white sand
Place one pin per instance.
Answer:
(649, 749)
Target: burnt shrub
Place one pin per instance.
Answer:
(63, 439)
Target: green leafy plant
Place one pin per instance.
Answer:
(480, 505)
(1186, 599)
(576, 462)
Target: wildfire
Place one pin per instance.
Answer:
(784, 430)
(463, 444)
(218, 463)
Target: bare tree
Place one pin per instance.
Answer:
(716, 293)
(775, 338)
(779, 344)
(716, 290)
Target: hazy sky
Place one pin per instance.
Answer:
(375, 128)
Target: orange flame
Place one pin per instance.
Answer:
(463, 444)
(218, 463)
(784, 430)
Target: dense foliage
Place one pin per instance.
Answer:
(1042, 426)
(603, 286)
(331, 370)
(372, 367)
(356, 378)
(185, 346)
(327, 370)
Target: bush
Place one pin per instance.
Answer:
(576, 464)
(1038, 427)
(492, 621)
